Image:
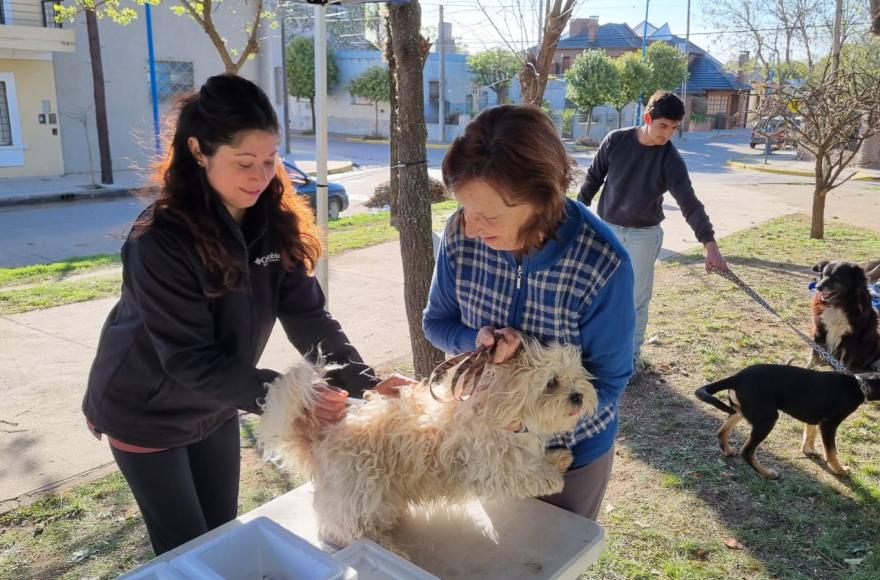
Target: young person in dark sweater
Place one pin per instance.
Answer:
(637, 166)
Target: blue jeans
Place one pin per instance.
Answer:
(643, 246)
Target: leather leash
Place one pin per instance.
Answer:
(471, 366)
(822, 352)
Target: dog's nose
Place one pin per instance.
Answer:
(576, 398)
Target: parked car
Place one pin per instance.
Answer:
(337, 198)
(775, 128)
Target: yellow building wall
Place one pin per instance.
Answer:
(34, 83)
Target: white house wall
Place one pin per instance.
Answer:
(346, 117)
(127, 84)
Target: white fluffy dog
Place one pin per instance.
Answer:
(392, 452)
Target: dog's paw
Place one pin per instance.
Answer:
(809, 451)
(771, 474)
(560, 459)
(728, 451)
(840, 470)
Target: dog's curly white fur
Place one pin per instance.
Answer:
(393, 452)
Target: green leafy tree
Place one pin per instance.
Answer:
(301, 70)
(373, 85)
(495, 68)
(669, 67)
(591, 81)
(635, 81)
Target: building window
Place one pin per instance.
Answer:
(566, 63)
(717, 104)
(48, 7)
(356, 100)
(173, 78)
(434, 91)
(5, 122)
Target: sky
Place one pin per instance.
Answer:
(471, 27)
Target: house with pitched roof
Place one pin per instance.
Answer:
(723, 92)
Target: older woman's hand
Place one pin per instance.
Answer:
(505, 340)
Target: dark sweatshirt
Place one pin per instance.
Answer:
(173, 365)
(636, 176)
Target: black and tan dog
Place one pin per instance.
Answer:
(844, 321)
(758, 393)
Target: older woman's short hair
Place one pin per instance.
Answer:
(517, 151)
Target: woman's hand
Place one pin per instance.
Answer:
(330, 405)
(505, 340)
(390, 387)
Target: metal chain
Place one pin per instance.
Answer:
(822, 352)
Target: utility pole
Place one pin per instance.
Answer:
(687, 60)
(540, 23)
(644, 52)
(441, 39)
(835, 39)
(282, 8)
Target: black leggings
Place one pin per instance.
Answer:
(185, 491)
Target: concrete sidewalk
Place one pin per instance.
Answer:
(786, 163)
(47, 353)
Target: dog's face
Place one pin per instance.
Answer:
(838, 280)
(546, 386)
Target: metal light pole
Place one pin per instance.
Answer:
(644, 52)
(322, 269)
(154, 89)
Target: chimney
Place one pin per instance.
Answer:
(592, 28)
(577, 26)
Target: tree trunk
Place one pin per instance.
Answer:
(817, 224)
(501, 95)
(100, 98)
(312, 107)
(376, 125)
(589, 122)
(536, 67)
(394, 184)
(414, 203)
(620, 117)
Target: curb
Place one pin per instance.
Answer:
(387, 142)
(53, 197)
(859, 176)
(309, 167)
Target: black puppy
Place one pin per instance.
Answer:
(844, 322)
(818, 398)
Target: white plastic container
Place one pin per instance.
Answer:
(262, 550)
(158, 571)
(373, 562)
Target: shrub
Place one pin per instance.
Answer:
(382, 193)
(586, 141)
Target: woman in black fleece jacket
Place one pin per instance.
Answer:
(225, 250)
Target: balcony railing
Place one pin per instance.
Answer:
(40, 13)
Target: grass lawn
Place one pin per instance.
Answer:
(675, 507)
(88, 278)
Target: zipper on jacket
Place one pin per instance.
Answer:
(516, 307)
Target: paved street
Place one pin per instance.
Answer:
(50, 232)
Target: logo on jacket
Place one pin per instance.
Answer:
(267, 259)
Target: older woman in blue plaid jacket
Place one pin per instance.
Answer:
(520, 255)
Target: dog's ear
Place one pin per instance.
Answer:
(820, 266)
